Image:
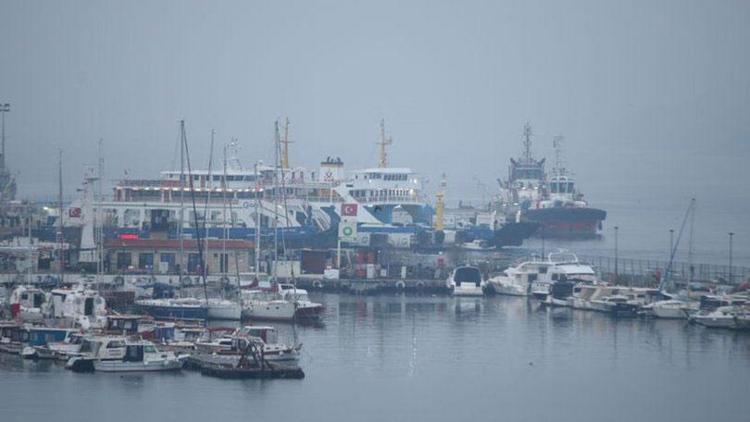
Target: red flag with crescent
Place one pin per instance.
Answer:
(349, 210)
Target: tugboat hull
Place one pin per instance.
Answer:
(567, 223)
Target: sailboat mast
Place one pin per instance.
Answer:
(99, 215)
(690, 247)
(182, 199)
(258, 224)
(60, 217)
(275, 204)
(224, 211)
(209, 187)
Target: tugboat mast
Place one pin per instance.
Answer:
(527, 142)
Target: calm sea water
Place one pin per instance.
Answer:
(394, 358)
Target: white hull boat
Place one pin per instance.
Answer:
(466, 281)
(220, 309)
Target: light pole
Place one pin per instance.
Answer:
(4, 108)
(617, 275)
(731, 235)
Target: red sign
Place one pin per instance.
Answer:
(74, 212)
(348, 210)
(129, 236)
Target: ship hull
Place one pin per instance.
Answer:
(567, 223)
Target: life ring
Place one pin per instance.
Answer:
(119, 280)
(420, 285)
(317, 284)
(400, 285)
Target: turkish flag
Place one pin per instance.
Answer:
(74, 212)
(349, 210)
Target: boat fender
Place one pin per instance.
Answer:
(400, 285)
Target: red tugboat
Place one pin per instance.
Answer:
(563, 213)
(554, 203)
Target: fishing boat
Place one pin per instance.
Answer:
(122, 354)
(13, 337)
(466, 281)
(230, 346)
(43, 342)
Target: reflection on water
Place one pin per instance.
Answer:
(436, 358)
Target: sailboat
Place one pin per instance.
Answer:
(677, 306)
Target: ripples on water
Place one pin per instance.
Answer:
(430, 358)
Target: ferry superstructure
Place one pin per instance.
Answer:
(232, 202)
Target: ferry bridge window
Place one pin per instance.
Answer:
(570, 187)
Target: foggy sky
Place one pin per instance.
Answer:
(657, 93)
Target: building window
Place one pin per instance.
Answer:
(193, 262)
(123, 260)
(167, 262)
(145, 261)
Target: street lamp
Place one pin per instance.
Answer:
(617, 276)
(731, 235)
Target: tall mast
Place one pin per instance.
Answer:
(285, 141)
(99, 215)
(209, 187)
(182, 199)
(258, 224)
(4, 108)
(275, 204)
(527, 142)
(60, 217)
(384, 142)
(690, 247)
(224, 264)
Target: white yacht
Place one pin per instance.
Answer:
(306, 309)
(534, 276)
(722, 317)
(466, 281)
(671, 308)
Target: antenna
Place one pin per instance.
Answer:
(384, 142)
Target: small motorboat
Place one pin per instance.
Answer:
(466, 281)
(122, 354)
(722, 317)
